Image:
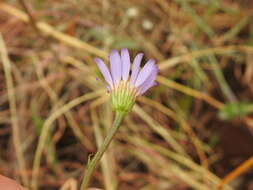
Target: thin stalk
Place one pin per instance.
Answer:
(226, 90)
(16, 130)
(94, 162)
(31, 18)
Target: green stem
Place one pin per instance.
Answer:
(92, 165)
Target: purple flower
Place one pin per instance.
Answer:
(122, 86)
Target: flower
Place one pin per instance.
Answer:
(124, 88)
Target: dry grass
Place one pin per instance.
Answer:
(54, 113)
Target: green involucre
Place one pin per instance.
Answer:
(122, 100)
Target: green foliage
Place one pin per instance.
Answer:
(98, 33)
(38, 121)
(124, 42)
(235, 109)
(117, 41)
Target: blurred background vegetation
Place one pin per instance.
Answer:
(192, 131)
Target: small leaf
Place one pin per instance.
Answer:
(235, 109)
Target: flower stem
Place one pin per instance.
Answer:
(92, 165)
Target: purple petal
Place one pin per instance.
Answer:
(149, 82)
(144, 89)
(125, 60)
(136, 67)
(115, 65)
(105, 72)
(145, 72)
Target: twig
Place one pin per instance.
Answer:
(235, 173)
(31, 18)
